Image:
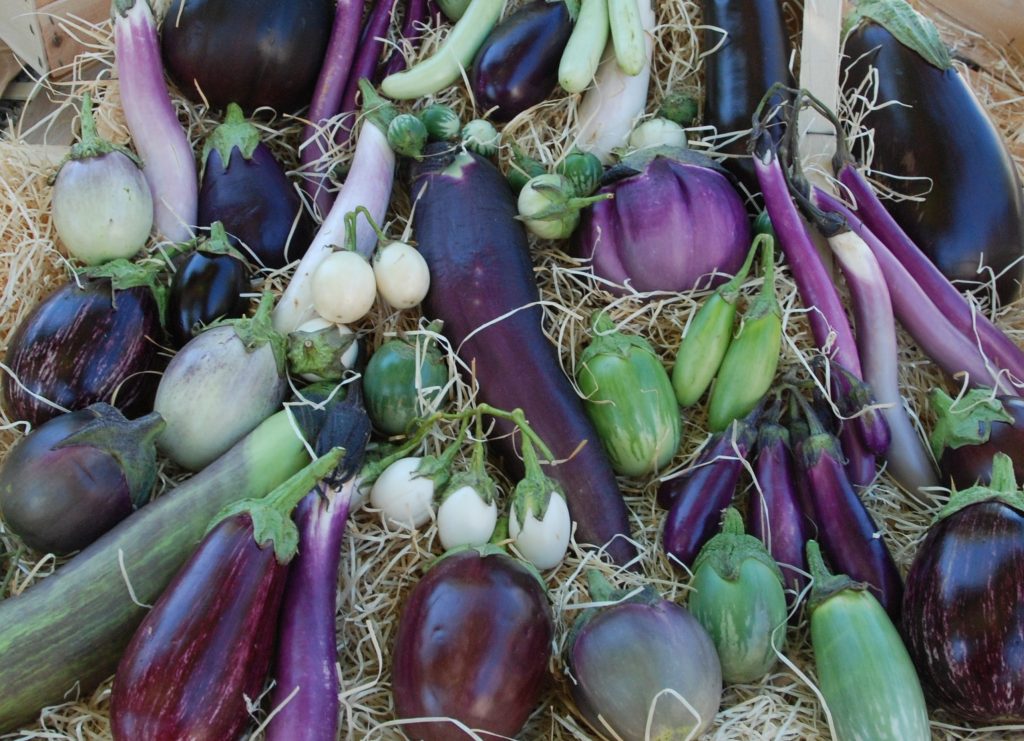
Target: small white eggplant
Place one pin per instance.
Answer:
(344, 287)
(402, 275)
(404, 492)
(539, 522)
(468, 512)
(220, 386)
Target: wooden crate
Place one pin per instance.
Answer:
(39, 30)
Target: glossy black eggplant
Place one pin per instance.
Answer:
(85, 342)
(698, 499)
(970, 430)
(753, 56)
(517, 65)
(76, 476)
(244, 187)
(972, 212)
(251, 52)
(962, 615)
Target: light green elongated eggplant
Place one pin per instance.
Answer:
(739, 599)
(864, 671)
(628, 397)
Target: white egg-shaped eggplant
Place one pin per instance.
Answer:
(403, 496)
(402, 275)
(344, 287)
(468, 513)
(541, 533)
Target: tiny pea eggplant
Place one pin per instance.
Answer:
(738, 597)
(244, 187)
(404, 379)
(76, 476)
(642, 667)
(517, 65)
(961, 610)
(583, 170)
(407, 135)
(481, 137)
(629, 398)
(473, 644)
(442, 123)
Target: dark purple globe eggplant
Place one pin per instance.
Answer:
(973, 208)
(76, 476)
(970, 430)
(517, 65)
(251, 52)
(473, 643)
(246, 189)
(80, 345)
(962, 615)
(207, 285)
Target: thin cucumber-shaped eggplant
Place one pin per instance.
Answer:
(629, 398)
(403, 380)
(971, 430)
(484, 251)
(517, 65)
(628, 34)
(473, 643)
(864, 671)
(737, 596)
(76, 476)
(102, 206)
(245, 188)
(68, 631)
(586, 44)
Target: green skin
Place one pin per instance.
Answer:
(586, 44)
(392, 388)
(66, 633)
(628, 397)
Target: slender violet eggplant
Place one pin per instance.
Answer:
(245, 188)
(203, 652)
(76, 476)
(251, 52)
(972, 212)
(403, 380)
(971, 430)
(412, 24)
(67, 632)
(698, 499)
(473, 644)
(961, 611)
(517, 66)
(751, 53)
(642, 667)
(94, 339)
(484, 251)
(675, 220)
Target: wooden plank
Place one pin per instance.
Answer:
(19, 29)
(61, 48)
(819, 75)
(1000, 21)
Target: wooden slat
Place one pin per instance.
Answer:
(61, 48)
(1000, 21)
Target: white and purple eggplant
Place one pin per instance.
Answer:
(642, 667)
(675, 222)
(76, 476)
(219, 386)
(539, 522)
(102, 206)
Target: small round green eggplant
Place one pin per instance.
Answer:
(583, 170)
(864, 671)
(522, 169)
(407, 135)
(398, 373)
(442, 123)
(629, 399)
(739, 599)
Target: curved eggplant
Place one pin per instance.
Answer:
(83, 343)
(473, 644)
(517, 65)
(251, 52)
(973, 211)
(245, 188)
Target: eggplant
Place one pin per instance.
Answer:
(398, 373)
(961, 609)
(481, 271)
(642, 667)
(244, 187)
(88, 341)
(251, 52)
(517, 66)
(972, 212)
(473, 644)
(208, 285)
(675, 220)
(971, 430)
(76, 476)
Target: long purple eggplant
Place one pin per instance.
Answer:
(698, 500)
(82, 344)
(483, 289)
(364, 66)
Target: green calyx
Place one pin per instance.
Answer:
(730, 290)
(217, 243)
(90, 143)
(121, 7)
(1002, 488)
(489, 550)
(533, 493)
(234, 133)
(561, 203)
(124, 274)
(376, 109)
(522, 169)
(475, 477)
(271, 516)
(909, 27)
(964, 421)
(726, 552)
(767, 302)
(826, 584)
(602, 591)
(318, 352)
(610, 341)
(258, 330)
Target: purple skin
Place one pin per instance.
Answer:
(205, 645)
(365, 65)
(205, 287)
(473, 643)
(483, 252)
(667, 228)
(415, 15)
(967, 465)
(83, 345)
(517, 66)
